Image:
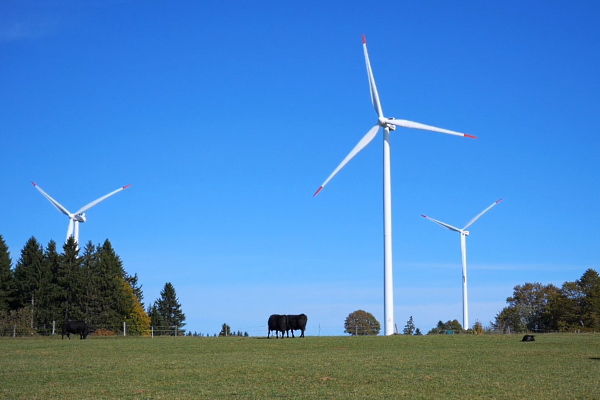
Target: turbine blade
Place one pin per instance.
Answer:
(372, 86)
(93, 203)
(445, 225)
(55, 203)
(416, 125)
(359, 146)
(480, 214)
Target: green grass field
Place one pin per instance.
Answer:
(555, 366)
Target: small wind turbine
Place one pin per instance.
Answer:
(79, 216)
(463, 249)
(388, 124)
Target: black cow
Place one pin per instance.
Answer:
(278, 323)
(528, 338)
(75, 327)
(297, 322)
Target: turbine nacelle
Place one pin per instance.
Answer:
(465, 233)
(79, 216)
(385, 123)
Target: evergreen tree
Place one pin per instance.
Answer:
(409, 329)
(157, 321)
(91, 299)
(137, 290)
(108, 276)
(33, 278)
(70, 280)
(5, 276)
(589, 284)
(225, 330)
(169, 308)
(55, 292)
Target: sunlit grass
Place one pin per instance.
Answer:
(426, 367)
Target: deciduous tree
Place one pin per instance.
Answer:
(361, 323)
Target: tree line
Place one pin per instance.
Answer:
(46, 287)
(533, 307)
(540, 308)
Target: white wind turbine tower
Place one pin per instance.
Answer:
(388, 124)
(79, 216)
(463, 249)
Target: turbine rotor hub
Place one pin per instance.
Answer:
(384, 122)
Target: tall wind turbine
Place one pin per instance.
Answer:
(79, 216)
(388, 124)
(463, 249)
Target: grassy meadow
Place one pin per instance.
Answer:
(555, 366)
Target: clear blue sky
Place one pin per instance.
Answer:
(227, 116)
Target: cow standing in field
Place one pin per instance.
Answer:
(75, 327)
(297, 322)
(278, 323)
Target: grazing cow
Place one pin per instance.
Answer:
(278, 323)
(297, 322)
(528, 338)
(75, 327)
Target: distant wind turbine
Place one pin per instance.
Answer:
(388, 124)
(463, 249)
(79, 216)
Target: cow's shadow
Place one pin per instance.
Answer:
(595, 358)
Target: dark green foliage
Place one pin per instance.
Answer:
(157, 321)
(166, 312)
(409, 329)
(33, 286)
(70, 279)
(5, 276)
(137, 290)
(361, 323)
(54, 309)
(446, 327)
(540, 308)
(225, 330)
(88, 284)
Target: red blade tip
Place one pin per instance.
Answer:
(424, 216)
(317, 192)
(498, 201)
(470, 136)
(33, 183)
(125, 187)
(364, 39)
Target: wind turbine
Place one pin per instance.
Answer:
(463, 249)
(79, 216)
(388, 124)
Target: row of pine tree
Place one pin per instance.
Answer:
(47, 287)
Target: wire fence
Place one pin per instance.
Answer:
(127, 329)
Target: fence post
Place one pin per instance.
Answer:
(124, 329)
(15, 331)
(53, 327)
(152, 330)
